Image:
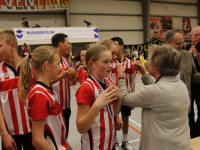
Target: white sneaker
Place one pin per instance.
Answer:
(116, 146)
(126, 146)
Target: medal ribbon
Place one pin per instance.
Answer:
(108, 106)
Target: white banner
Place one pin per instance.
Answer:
(79, 34)
(32, 5)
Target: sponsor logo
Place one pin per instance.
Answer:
(19, 34)
(5, 75)
(40, 32)
(99, 91)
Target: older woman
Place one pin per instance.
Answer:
(164, 104)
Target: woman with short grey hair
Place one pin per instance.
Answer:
(164, 104)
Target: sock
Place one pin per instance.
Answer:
(115, 140)
(125, 137)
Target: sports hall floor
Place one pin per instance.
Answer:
(134, 122)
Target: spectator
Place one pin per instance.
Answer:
(71, 62)
(135, 54)
(128, 52)
(25, 23)
(195, 88)
(25, 49)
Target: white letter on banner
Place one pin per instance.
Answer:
(31, 3)
(9, 5)
(17, 5)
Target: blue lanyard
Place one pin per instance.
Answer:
(108, 106)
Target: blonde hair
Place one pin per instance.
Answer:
(37, 58)
(8, 35)
(93, 54)
(108, 43)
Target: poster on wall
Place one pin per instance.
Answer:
(160, 25)
(32, 5)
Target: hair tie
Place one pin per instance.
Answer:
(29, 56)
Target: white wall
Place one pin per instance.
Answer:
(14, 20)
(124, 17)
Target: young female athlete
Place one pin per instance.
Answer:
(112, 46)
(82, 74)
(44, 110)
(98, 101)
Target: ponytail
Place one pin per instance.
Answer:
(25, 79)
(38, 57)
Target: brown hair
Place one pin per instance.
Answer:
(167, 58)
(38, 57)
(108, 43)
(8, 36)
(93, 54)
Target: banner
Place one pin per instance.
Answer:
(145, 45)
(35, 36)
(32, 5)
(160, 25)
(47, 33)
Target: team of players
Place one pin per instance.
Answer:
(37, 110)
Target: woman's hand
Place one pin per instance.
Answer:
(138, 66)
(121, 68)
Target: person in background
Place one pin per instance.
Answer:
(165, 103)
(128, 52)
(135, 54)
(195, 88)
(25, 23)
(15, 129)
(143, 51)
(129, 76)
(142, 59)
(61, 86)
(71, 62)
(80, 68)
(112, 46)
(25, 49)
(78, 58)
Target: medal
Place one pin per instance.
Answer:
(112, 127)
(108, 106)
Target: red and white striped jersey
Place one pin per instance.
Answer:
(62, 87)
(43, 104)
(100, 136)
(14, 111)
(82, 75)
(127, 73)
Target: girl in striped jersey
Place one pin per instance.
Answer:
(97, 103)
(82, 74)
(15, 128)
(44, 110)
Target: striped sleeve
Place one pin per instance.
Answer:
(38, 104)
(84, 94)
